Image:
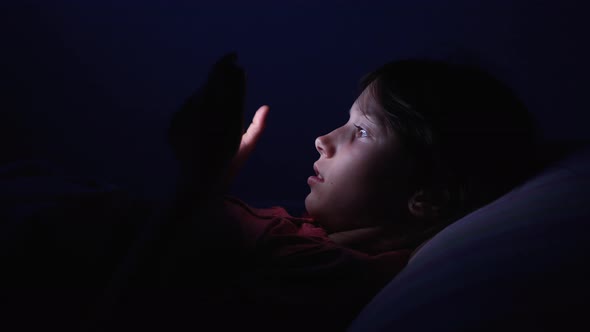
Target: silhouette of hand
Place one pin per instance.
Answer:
(206, 132)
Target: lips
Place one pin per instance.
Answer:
(317, 173)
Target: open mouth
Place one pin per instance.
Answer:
(316, 178)
(317, 172)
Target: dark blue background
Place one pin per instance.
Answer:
(91, 85)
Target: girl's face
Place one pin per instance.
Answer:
(360, 172)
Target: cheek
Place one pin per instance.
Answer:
(358, 176)
(365, 168)
(356, 179)
(373, 176)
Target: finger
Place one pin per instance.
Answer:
(227, 78)
(259, 120)
(229, 58)
(256, 128)
(226, 65)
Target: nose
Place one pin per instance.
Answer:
(324, 147)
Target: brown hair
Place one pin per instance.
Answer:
(466, 133)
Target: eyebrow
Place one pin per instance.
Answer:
(368, 113)
(374, 120)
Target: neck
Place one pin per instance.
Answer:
(371, 240)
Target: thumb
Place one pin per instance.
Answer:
(255, 129)
(249, 139)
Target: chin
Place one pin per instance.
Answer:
(308, 205)
(311, 207)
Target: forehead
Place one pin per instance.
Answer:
(366, 105)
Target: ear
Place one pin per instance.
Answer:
(426, 205)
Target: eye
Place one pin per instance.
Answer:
(361, 131)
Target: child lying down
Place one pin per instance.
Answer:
(426, 143)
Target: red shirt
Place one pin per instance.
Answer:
(300, 278)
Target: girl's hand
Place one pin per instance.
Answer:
(248, 142)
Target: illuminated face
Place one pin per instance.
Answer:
(360, 172)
